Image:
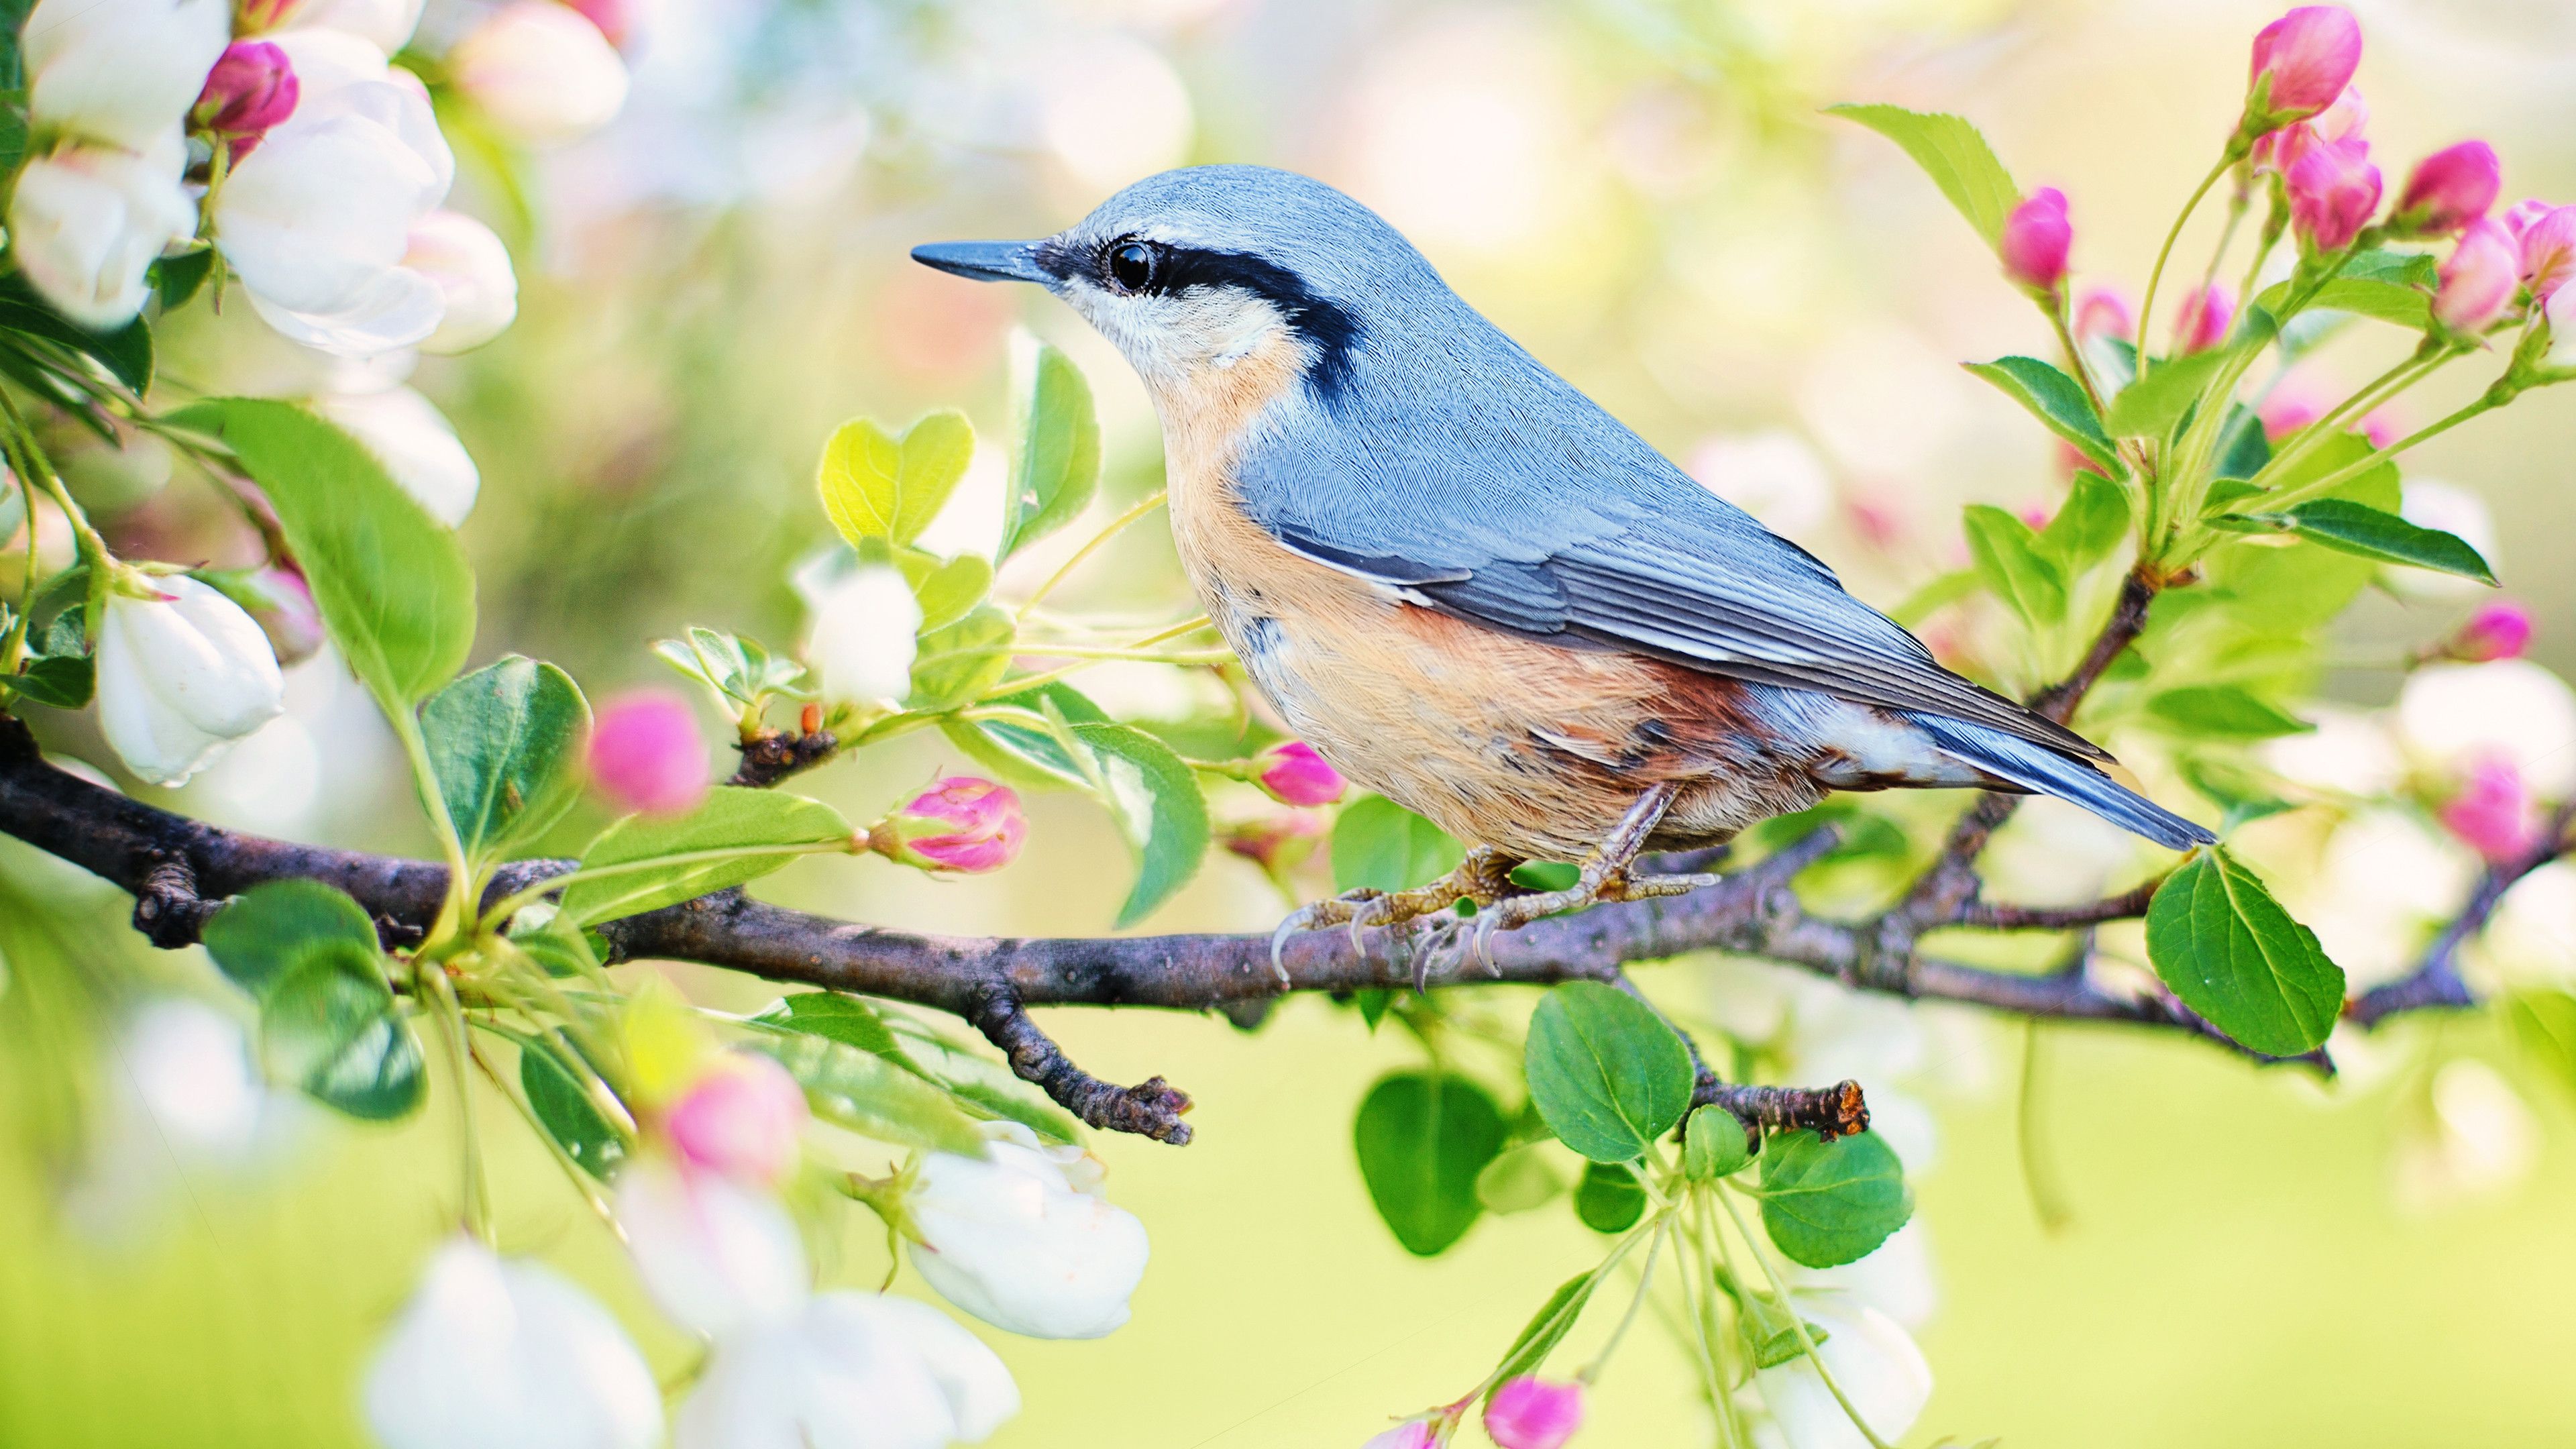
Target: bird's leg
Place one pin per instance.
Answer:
(1604, 875)
(1484, 877)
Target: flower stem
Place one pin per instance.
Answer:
(511, 904)
(1797, 1325)
(2485, 402)
(1591, 1373)
(1114, 527)
(93, 548)
(2156, 274)
(451, 1026)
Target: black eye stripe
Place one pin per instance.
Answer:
(1325, 325)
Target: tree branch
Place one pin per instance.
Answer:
(2435, 981)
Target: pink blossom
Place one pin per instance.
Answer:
(2293, 405)
(1880, 521)
(647, 755)
(960, 824)
(2382, 426)
(1273, 843)
(2342, 121)
(1532, 1413)
(251, 89)
(2206, 314)
(2478, 278)
(2035, 240)
(2333, 190)
(2495, 813)
(1411, 1434)
(741, 1119)
(2524, 213)
(2308, 56)
(2449, 189)
(1295, 775)
(615, 18)
(2104, 312)
(2501, 630)
(281, 603)
(2549, 252)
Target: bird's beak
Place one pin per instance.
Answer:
(985, 261)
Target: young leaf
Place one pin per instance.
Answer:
(1027, 752)
(1606, 1073)
(1422, 1139)
(502, 741)
(1954, 155)
(330, 1026)
(2225, 711)
(769, 823)
(565, 1111)
(1942, 590)
(2089, 524)
(1155, 799)
(962, 660)
(2009, 560)
(1546, 1329)
(1380, 845)
(2246, 452)
(1714, 1145)
(2149, 409)
(945, 590)
(1518, 1181)
(1056, 467)
(178, 278)
(1609, 1199)
(844, 1019)
(126, 351)
(2356, 528)
(875, 485)
(2058, 401)
(872, 1096)
(271, 929)
(1769, 1334)
(2232, 954)
(1826, 1204)
(390, 581)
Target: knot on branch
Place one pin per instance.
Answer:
(773, 755)
(167, 909)
(1830, 1112)
(1152, 1108)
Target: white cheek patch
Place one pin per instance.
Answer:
(1174, 340)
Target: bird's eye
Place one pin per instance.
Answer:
(1131, 265)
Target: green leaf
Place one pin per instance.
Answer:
(2246, 453)
(126, 352)
(2089, 524)
(731, 819)
(64, 681)
(2366, 532)
(2149, 409)
(2290, 587)
(1954, 155)
(1606, 1073)
(1155, 799)
(1826, 1204)
(1941, 591)
(1769, 1333)
(1546, 1329)
(2232, 954)
(1027, 752)
(1609, 1199)
(391, 582)
(945, 589)
(330, 1026)
(2224, 711)
(742, 670)
(872, 1096)
(875, 485)
(565, 1111)
(1518, 1181)
(844, 1019)
(1714, 1145)
(1056, 467)
(270, 930)
(503, 741)
(2543, 1024)
(985, 1086)
(1380, 845)
(2058, 401)
(179, 278)
(1422, 1140)
(2008, 558)
(958, 662)
(2387, 285)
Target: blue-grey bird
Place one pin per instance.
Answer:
(1475, 591)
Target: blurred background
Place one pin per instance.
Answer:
(2140, 1242)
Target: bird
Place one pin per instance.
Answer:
(1477, 593)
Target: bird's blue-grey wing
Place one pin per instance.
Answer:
(1525, 507)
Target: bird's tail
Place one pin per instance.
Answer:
(2036, 767)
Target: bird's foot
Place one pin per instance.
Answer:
(1484, 878)
(1604, 876)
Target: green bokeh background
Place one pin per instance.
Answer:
(1706, 256)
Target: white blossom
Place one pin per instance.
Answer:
(185, 1096)
(120, 74)
(385, 24)
(862, 641)
(849, 1371)
(180, 676)
(495, 1353)
(2349, 751)
(86, 221)
(474, 277)
(1873, 1360)
(2451, 715)
(407, 434)
(2476, 1139)
(540, 71)
(1023, 1237)
(719, 1258)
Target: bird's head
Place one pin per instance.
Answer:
(1204, 275)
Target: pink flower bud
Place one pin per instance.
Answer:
(1277, 843)
(2501, 630)
(2291, 407)
(742, 1119)
(1295, 775)
(961, 824)
(251, 88)
(2341, 121)
(1411, 1434)
(2495, 813)
(2449, 189)
(2549, 252)
(2524, 213)
(615, 18)
(2333, 190)
(2478, 278)
(2104, 312)
(647, 755)
(2035, 240)
(2308, 56)
(281, 603)
(1531, 1413)
(2382, 426)
(2206, 315)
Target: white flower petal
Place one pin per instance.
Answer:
(978, 1387)
(842, 1373)
(85, 223)
(407, 433)
(863, 638)
(121, 72)
(719, 1258)
(2450, 715)
(1011, 1239)
(385, 24)
(1874, 1362)
(472, 271)
(541, 71)
(181, 677)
